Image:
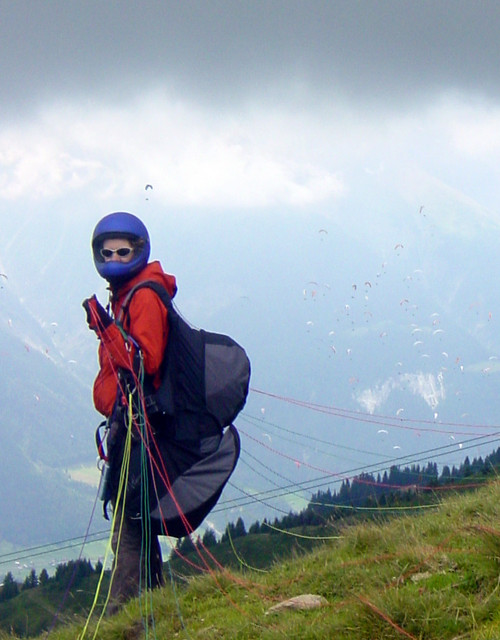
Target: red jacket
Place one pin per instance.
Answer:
(146, 322)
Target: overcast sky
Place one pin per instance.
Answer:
(353, 112)
(244, 104)
(360, 112)
(394, 52)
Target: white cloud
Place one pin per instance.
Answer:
(426, 385)
(35, 163)
(474, 129)
(372, 399)
(190, 157)
(256, 157)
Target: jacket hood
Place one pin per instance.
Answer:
(152, 271)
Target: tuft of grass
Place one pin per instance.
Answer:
(427, 577)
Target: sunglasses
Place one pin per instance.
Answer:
(123, 252)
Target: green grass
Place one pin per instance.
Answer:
(432, 576)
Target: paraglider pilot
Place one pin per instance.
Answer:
(121, 250)
(171, 445)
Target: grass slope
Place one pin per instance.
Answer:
(426, 576)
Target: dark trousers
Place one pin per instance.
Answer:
(137, 564)
(137, 561)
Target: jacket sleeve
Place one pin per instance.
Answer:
(105, 385)
(146, 323)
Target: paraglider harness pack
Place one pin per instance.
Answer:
(204, 381)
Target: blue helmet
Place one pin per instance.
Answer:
(121, 225)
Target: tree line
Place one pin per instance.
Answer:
(399, 486)
(72, 572)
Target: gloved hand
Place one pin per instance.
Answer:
(98, 318)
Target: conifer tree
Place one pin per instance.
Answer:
(31, 581)
(10, 588)
(43, 578)
(209, 539)
(239, 529)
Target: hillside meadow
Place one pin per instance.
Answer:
(429, 575)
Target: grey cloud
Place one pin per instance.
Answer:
(376, 50)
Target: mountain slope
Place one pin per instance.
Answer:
(432, 575)
(46, 427)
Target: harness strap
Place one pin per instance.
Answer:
(100, 441)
